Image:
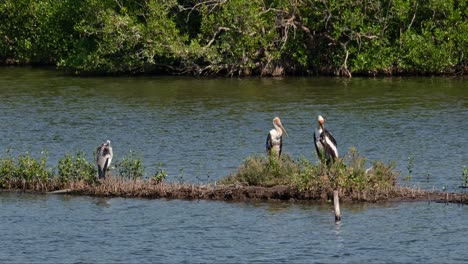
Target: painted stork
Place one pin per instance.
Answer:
(103, 158)
(274, 141)
(325, 143)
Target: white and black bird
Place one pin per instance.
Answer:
(103, 158)
(274, 141)
(325, 143)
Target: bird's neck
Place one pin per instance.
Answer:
(279, 131)
(321, 128)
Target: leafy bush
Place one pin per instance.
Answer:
(264, 171)
(30, 169)
(130, 166)
(464, 177)
(7, 169)
(76, 167)
(160, 175)
(347, 174)
(27, 172)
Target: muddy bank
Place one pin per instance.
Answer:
(150, 190)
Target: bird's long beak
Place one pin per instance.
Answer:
(284, 130)
(321, 123)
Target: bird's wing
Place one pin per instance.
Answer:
(330, 136)
(329, 152)
(317, 143)
(111, 154)
(98, 153)
(281, 146)
(106, 165)
(269, 145)
(105, 150)
(329, 143)
(101, 161)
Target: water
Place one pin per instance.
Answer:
(82, 229)
(200, 130)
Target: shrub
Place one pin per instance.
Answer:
(464, 177)
(264, 171)
(76, 167)
(347, 174)
(160, 175)
(130, 166)
(7, 170)
(30, 169)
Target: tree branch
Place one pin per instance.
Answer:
(414, 16)
(220, 29)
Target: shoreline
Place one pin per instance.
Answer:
(397, 73)
(234, 192)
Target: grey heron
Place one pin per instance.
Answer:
(104, 158)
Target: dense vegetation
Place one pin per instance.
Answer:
(257, 178)
(347, 174)
(30, 173)
(237, 37)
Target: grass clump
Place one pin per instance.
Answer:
(348, 174)
(264, 171)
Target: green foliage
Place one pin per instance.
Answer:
(38, 32)
(30, 169)
(7, 169)
(25, 168)
(237, 37)
(130, 166)
(160, 175)
(464, 177)
(75, 168)
(347, 174)
(264, 171)
(27, 172)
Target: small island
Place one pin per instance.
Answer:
(258, 178)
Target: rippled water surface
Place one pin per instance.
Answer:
(82, 229)
(200, 130)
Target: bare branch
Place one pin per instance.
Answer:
(209, 3)
(414, 15)
(119, 3)
(220, 29)
(344, 68)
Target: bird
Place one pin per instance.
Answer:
(104, 158)
(325, 143)
(274, 141)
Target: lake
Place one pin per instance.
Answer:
(199, 130)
